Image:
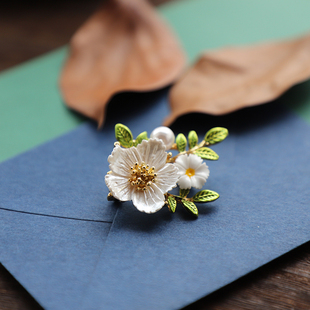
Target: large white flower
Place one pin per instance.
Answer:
(142, 175)
(192, 171)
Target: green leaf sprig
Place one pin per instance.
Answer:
(124, 136)
(203, 196)
(213, 136)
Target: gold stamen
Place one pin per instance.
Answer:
(142, 176)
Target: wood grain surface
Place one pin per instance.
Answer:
(31, 28)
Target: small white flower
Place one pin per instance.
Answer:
(142, 175)
(192, 171)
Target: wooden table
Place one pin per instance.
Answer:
(31, 28)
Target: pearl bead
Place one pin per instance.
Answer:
(165, 134)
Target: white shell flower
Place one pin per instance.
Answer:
(142, 175)
(192, 171)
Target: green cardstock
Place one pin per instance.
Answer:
(32, 111)
(210, 24)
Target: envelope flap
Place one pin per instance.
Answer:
(64, 177)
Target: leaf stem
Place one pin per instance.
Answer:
(190, 151)
(178, 198)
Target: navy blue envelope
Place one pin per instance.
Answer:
(56, 223)
(167, 261)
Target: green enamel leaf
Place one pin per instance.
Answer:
(206, 153)
(205, 196)
(181, 142)
(184, 192)
(123, 135)
(190, 206)
(192, 139)
(216, 134)
(172, 204)
(141, 136)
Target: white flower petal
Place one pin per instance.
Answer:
(185, 182)
(182, 161)
(149, 201)
(153, 152)
(181, 169)
(198, 181)
(122, 159)
(194, 161)
(203, 171)
(167, 178)
(119, 187)
(131, 157)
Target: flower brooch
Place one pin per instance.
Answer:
(141, 170)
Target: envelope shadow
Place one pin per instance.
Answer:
(125, 106)
(203, 209)
(129, 218)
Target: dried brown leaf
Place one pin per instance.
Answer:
(229, 79)
(125, 46)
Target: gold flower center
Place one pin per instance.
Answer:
(190, 172)
(142, 176)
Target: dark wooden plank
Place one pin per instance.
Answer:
(31, 28)
(13, 296)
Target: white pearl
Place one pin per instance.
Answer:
(165, 134)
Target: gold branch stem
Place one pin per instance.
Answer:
(177, 198)
(192, 150)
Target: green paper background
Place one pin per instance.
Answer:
(209, 24)
(31, 109)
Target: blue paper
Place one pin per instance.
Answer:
(167, 261)
(52, 258)
(47, 180)
(159, 261)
